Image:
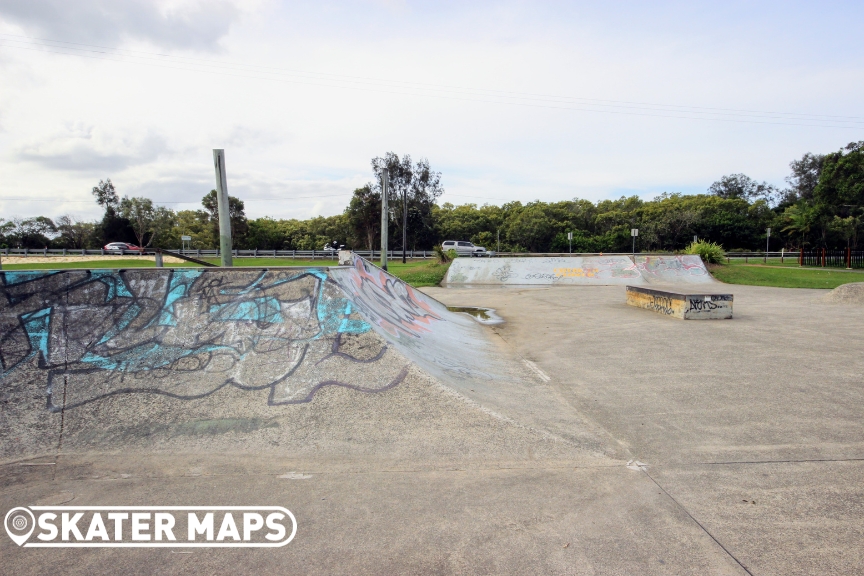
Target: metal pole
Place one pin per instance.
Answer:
(767, 240)
(385, 221)
(224, 210)
(404, 223)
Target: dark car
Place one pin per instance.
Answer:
(120, 247)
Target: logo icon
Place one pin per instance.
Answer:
(19, 523)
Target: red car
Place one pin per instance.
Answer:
(118, 246)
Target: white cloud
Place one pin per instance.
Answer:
(191, 24)
(85, 149)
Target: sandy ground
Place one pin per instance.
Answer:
(50, 259)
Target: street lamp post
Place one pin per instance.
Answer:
(404, 222)
(223, 208)
(385, 220)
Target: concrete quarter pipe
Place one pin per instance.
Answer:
(87, 335)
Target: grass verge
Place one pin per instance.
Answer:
(419, 274)
(784, 277)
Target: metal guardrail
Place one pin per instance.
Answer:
(295, 254)
(373, 255)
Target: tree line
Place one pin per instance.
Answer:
(821, 206)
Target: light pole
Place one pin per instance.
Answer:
(385, 220)
(404, 222)
(223, 208)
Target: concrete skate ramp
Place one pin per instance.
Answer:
(575, 270)
(679, 269)
(852, 293)
(96, 359)
(580, 270)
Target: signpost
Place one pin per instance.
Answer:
(185, 242)
(634, 232)
(570, 241)
(767, 239)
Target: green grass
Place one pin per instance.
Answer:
(417, 273)
(785, 276)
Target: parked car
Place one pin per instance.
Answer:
(119, 247)
(463, 248)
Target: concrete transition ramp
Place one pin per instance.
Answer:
(679, 269)
(580, 270)
(852, 293)
(220, 359)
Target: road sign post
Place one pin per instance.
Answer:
(634, 232)
(570, 241)
(767, 240)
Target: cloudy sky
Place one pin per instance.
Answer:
(509, 100)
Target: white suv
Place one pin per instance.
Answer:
(464, 248)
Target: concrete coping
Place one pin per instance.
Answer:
(680, 295)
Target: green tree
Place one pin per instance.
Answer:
(106, 195)
(113, 227)
(414, 188)
(149, 222)
(236, 213)
(75, 233)
(798, 220)
(34, 232)
(192, 223)
(532, 227)
(804, 178)
(364, 217)
(741, 186)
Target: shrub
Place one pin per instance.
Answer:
(443, 257)
(710, 252)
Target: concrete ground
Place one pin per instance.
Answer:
(744, 441)
(752, 426)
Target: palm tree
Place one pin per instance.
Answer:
(799, 220)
